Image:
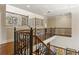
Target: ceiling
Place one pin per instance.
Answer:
(46, 9)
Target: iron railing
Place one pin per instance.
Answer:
(42, 48)
(23, 42)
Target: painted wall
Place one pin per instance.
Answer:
(61, 21)
(2, 24)
(51, 21)
(75, 27)
(0, 29)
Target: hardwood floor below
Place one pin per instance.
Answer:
(7, 48)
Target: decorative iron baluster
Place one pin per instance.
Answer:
(23, 42)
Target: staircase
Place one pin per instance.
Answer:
(29, 42)
(42, 48)
(25, 43)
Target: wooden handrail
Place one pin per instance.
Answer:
(23, 30)
(42, 43)
(62, 28)
(46, 28)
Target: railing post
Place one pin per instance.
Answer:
(14, 40)
(31, 41)
(45, 33)
(50, 32)
(78, 52)
(49, 48)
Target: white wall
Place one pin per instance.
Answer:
(0, 29)
(75, 27)
(2, 24)
(60, 21)
(63, 21)
(51, 22)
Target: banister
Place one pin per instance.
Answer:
(29, 33)
(43, 43)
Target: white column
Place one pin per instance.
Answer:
(75, 27)
(2, 24)
(0, 29)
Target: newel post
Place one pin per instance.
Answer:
(14, 40)
(45, 33)
(31, 41)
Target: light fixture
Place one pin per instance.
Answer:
(28, 6)
(48, 11)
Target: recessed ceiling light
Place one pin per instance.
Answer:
(28, 6)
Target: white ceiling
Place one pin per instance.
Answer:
(42, 9)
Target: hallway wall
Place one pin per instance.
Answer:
(2, 27)
(51, 22)
(2, 24)
(60, 21)
(75, 27)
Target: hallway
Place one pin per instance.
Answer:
(23, 26)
